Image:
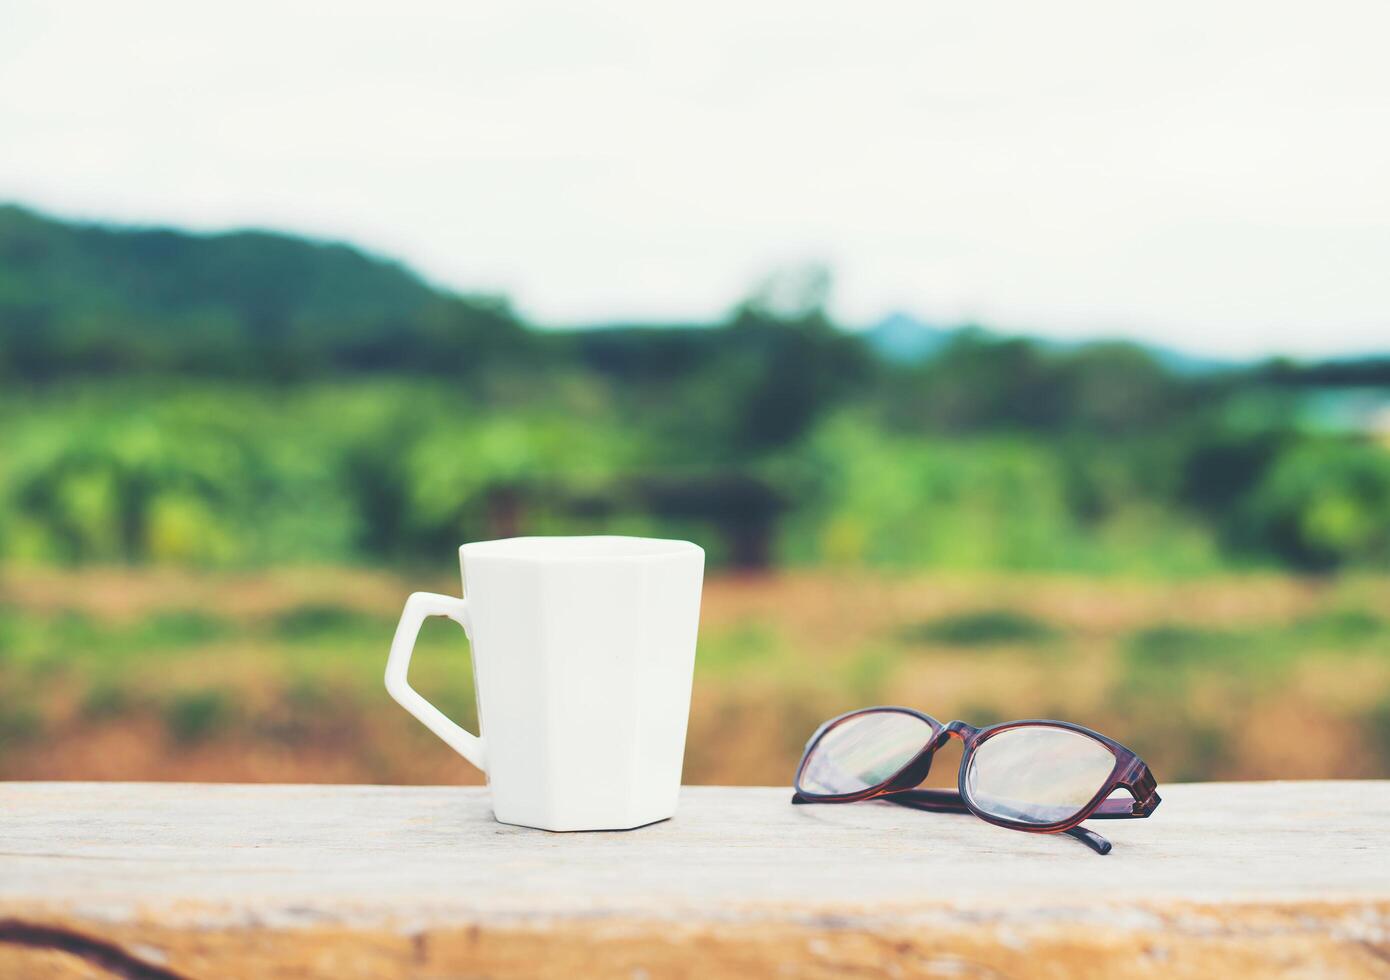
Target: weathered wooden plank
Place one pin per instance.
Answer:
(219, 880)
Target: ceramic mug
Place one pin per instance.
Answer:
(583, 657)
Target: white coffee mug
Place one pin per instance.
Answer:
(583, 657)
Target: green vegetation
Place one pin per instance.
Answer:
(1169, 649)
(251, 399)
(197, 715)
(989, 627)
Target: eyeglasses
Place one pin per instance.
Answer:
(1044, 777)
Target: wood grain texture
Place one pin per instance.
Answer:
(181, 880)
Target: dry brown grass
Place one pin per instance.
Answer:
(1256, 677)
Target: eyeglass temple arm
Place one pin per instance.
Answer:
(934, 800)
(949, 801)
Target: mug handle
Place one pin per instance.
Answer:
(419, 606)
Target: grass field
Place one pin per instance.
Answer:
(276, 676)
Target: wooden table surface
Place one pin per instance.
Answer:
(183, 880)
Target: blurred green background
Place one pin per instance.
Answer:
(226, 459)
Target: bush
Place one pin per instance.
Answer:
(988, 627)
(1325, 504)
(193, 716)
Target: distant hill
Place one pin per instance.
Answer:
(100, 296)
(258, 276)
(902, 338)
(83, 298)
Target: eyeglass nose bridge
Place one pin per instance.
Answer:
(957, 729)
(919, 769)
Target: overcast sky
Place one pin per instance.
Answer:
(1210, 175)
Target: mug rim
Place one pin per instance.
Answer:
(541, 548)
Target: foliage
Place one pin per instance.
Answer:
(987, 627)
(1324, 504)
(197, 715)
(252, 398)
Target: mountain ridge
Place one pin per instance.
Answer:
(105, 296)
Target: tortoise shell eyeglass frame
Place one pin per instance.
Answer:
(1128, 773)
